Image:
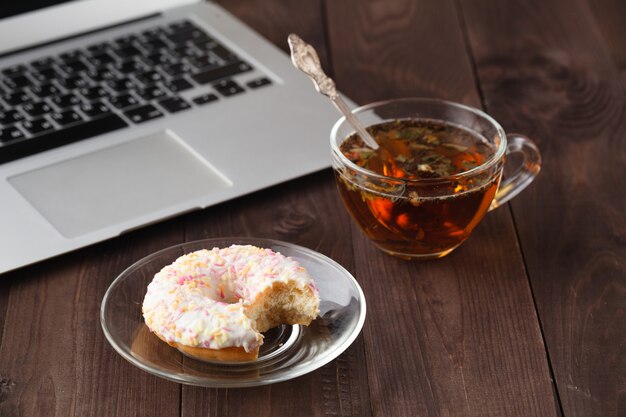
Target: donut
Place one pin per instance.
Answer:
(214, 304)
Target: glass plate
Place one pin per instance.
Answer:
(287, 351)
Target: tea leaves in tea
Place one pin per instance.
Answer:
(430, 203)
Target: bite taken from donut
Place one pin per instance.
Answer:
(214, 304)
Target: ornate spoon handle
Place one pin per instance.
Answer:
(305, 58)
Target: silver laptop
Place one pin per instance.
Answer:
(115, 114)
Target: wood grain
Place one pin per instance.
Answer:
(609, 22)
(542, 74)
(457, 349)
(7, 281)
(5, 289)
(609, 18)
(302, 212)
(305, 212)
(54, 359)
(391, 49)
(457, 336)
(276, 20)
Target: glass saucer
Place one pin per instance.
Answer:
(287, 351)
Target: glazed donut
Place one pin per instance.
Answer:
(214, 304)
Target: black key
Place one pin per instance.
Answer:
(198, 35)
(73, 82)
(99, 47)
(73, 67)
(46, 74)
(143, 113)
(37, 125)
(154, 44)
(155, 59)
(101, 59)
(101, 74)
(123, 101)
(66, 118)
(153, 33)
(8, 117)
(121, 85)
(45, 90)
(193, 35)
(229, 70)
(223, 53)
(148, 77)
(71, 55)
(205, 98)
(42, 63)
(37, 108)
(203, 45)
(200, 62)
(259, 82)
(228, 88)
(17, 82)
(10, 133)
(127, 67)
(178, 84)
(184, 51)
(181, 26)
(14, 70)
(127, 52)
(175, 69)
(151, 93)
(92, 93)
(95, 109)
(16, 98)
(61, 137)
(66, 100)
(126, 40)
(174, 104)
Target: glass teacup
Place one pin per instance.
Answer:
(436, 175)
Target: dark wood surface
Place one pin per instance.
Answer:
(527, 318)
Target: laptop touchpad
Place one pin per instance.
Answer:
(118, 184)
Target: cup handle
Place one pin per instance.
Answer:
(524, 174)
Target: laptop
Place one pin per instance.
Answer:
(115, 114)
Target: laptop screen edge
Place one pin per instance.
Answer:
(67, 19)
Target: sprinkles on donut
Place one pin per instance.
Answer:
(214, 304)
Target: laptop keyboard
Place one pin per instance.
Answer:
(112, 85)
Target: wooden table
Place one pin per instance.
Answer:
(527, 318)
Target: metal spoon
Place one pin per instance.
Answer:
(305, 58)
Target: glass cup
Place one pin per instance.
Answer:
(423, 218)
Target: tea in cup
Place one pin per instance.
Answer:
(436, 173)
